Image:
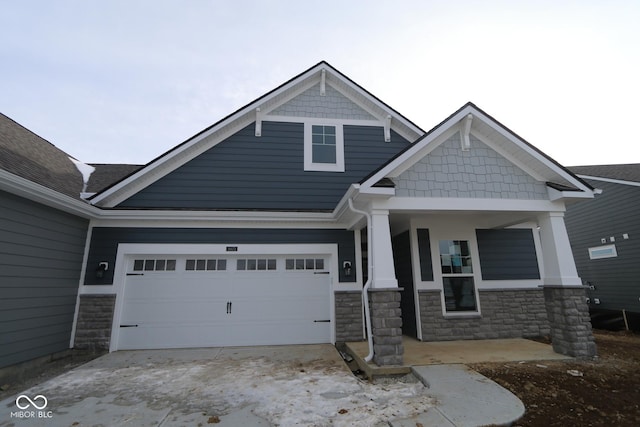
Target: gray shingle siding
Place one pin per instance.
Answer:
(480, 173)
(105, 240)
(612, 213)
(507, 254)
(41, 251)
(267, 172)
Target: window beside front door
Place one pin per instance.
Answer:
(457, 276)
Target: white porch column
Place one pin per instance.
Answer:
(384, 274)
(559, 265)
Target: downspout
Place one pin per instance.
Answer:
(367, 285)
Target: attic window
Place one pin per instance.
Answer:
(323, 147)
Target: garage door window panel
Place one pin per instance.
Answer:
(154, 265)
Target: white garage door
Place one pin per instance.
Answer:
(208, 301)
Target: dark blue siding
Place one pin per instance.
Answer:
(424, 251)
(105, 240)
(247, 172)
(404, 274)
(507, 254)
(41, 253)
(613, 213)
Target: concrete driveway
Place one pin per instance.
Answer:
(249, 386)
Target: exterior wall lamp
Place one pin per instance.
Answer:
(346, 268)
(102, 267)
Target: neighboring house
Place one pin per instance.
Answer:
(265, 227)
(605, 238)
(43, 229)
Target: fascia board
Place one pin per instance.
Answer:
(162, 215)
(611, 180)
(30, 190)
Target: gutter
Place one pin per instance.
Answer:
(367, 285)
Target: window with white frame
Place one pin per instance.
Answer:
(323, 147)
(457, 276)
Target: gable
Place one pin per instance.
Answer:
(331, 105)
(479, 172)
(342, 97)
(518, 162)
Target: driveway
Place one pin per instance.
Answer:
(248, 386)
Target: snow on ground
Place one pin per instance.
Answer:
(285, 393)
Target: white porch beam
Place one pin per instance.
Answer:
(559, 265)
(384, 274)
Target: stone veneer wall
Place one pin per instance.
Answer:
(568, 313)
(386, 326)
(505, 314)
(348, 313)
(95, 317)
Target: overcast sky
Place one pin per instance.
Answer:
(124, 81)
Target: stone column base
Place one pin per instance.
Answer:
(386, 325)
(569, 321)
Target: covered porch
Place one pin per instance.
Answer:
(419, 353)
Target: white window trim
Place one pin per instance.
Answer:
(601, 252)
(309, 165)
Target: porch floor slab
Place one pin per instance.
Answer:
(419, 353)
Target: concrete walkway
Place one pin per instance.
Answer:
(464, 399)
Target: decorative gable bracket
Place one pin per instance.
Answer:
(465, 142)
(258, 122)
(387, 129)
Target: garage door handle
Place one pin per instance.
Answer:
(128, 326)
(229, 307)
(135, 274)
(320, 272)
(322, 321)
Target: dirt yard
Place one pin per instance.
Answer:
(604, 392)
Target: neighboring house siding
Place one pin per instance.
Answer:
(478, 173)
(333, 105)
(267, 172)
(507, 254)
(41, 251)
(105, 240)
(611, 214)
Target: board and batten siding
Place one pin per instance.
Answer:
(267, 172)
(507, 254)
(611, 214)
(105, 240)
(41, 251)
